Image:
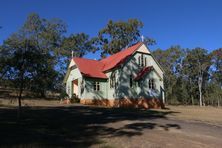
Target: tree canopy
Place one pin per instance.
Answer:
(118, 35)
(79, 43)
(192, 76)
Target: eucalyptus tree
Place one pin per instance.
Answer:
(31, 53)
(196, 66)
(80, 44)
(118, 35)
(216, 75)
(170, 60)
(216, 58)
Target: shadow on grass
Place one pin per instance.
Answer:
(79, 126)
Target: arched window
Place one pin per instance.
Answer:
(113, 80)
(151, 84)
(145, 62)
(68, 89)
(142, 60)
(131, 81)
(82, 86)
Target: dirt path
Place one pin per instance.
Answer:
(167, 133)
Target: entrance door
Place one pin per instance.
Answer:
(75, 87)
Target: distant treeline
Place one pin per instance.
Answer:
(36, 57)
(192, 76)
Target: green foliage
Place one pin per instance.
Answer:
(47, 34)
(196, 67)
(118, 35)
(216, 58)
(169, 59)
(74, 99)
(179, 91)
(36, 56)
(191, 73)
(63, 94)
(79, 43)
(31, 54)
(213, 94)
(3, 63)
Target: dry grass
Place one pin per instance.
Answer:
(211, 115)
(29, 102)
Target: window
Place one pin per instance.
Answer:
(82, 87)
(96, 86)
(112, 80)
(139, 83)
(68, 89)
(151, 84)
(145, 62)
(131, 81)
(116, 83)
(142, 60)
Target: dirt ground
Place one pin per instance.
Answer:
(31, 102)
(51, 124)
(207, 114)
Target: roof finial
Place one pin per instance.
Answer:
(142, 38)
(72, 53)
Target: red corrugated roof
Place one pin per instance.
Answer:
(96, 69)
(119, 57)
(142, 72)
(90, 68)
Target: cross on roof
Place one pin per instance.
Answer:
(142, 38)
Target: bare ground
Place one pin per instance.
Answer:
(50, 124)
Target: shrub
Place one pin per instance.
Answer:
(63, 95)
(74, 99)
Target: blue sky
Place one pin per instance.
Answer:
(189, 23)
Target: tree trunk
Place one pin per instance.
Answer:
(20, 95)
(42, 94)
(200, 80)
(203, 100)
(192, 100)
(21, 80)
(200, 94)
(19, 103)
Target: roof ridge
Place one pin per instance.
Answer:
(110, 55)
(96, 68)
(116, 58)
(138, 43)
